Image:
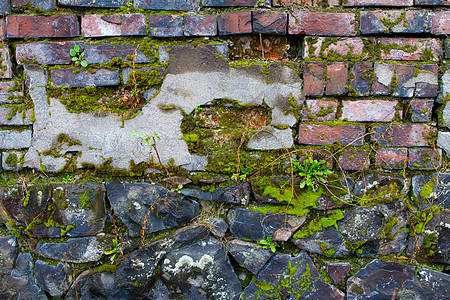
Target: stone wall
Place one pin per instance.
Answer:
(224, 149)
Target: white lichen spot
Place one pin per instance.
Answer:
(188, 262)
(137, 263)
(136, 205)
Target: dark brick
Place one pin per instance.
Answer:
(167, 4)
(441, 22)
(5, 7)
(230, 3)
(163, 51)
(383, 79)
(94, 3)
(424, 159)
(336, 48)
(5, 71)
(313, 78)
(416, 135)
(369, 110)
(317, 134)
(113, 25)
(337, 78)
(447, 48)
(360, 82)
(15, 139)
(432, 2)
(42, 26)
(319, 110)
(200, 25)
(307, 3)
(165, 25)
(421, 110)
(405, 73)
(392, 158)
(6, 118)
(66, 78)
(6, 91)
(249, 46)
(378, 3)
(268, 21)
(427, 81)
(353, 160)
(45, 5)
(395, 21)
(235, 23)
(410, 49)
(103, 53)
(322, 23)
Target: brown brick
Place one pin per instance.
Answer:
(369, 110)
(6, 92)
(384, 73)
(274, 47)
(441, 22)
(421, 110)
(337, 78)
(392, 158)
(322, 23)
(224, 3)
(354, 160)
(395, 21)
(235, 23)
(66, 78)
(336, 48)
(411, 49)
(165, 25)
(306, 3)
(416, 135)
(269, 21)
(319, 110)
(424, 159)
(42, 26)
(313, 78)
(378, 3)
(113, 25)
(318, 134)
(200, 25)
(360, 82)
(5, 71)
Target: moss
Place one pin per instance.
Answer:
(318, 224)
(11, 160)
(353, 247)
(85, 200)
(107, 268)
(427, 189)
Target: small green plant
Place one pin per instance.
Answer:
(242, 177)
(177, 189)
(135, 92)
(78, 56)
(113, 250)
(147, 139)
(268, 243)
(312, 171)
(67, 179)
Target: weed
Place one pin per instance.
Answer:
(113, 250)
(312, 171)
(68, 179)
(268, 243)
(78, 56)
(177, 189)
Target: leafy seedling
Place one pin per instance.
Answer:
(268, 243)
(78, 56)
(113, 251)
(313, 172)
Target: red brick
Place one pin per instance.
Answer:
(392, 158)
(373, 22)
(318, 134)
(268, 21)
(424, 159)
(42, 26)
(306, 3)
(113, 25)
(378, 3)
(383, 79)
(421, 110)
(165, 25)
(66, 78)
(353, 160)
(6, 65)
(441, 22)
(6, 91)
(167, 4)
(45, 5)
(230, 3)
(369, 110)
(336, 48)
(319, 110)
(96, 3)
(274, 47)
(411, 49)
(360, 82)
(235, 23)
(416, 135)
(200, 25)
(337, 78)
(322, 23)
(313, 78)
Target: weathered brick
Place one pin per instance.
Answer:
(17, 166)
(96, 3)
(336, 48)
(353, 160)
(165, 25)
(421, 110)
(5, 67)
(378, 3)
(322, 23)
(370, 110)
(337, 78)
(307, 3)
(447, 48)
(230, 3)
(319, 110)
(273, 47)
(392, 158)
(103, 53)
(15, 139)
(279, 73)
(167, 4)
(395, 21)
(6, 91)
(405, 73)
(235, 23)
(432, 2)
(268, 21)
(66, 78)
(420, 82)
(360, 82)
(200, 25)
(220, 49)
(5, 7)
(45, 5)
(410, 49)
(424, 159)
(405, 135)
(113, 25)
(127, 71)
(384, 73)
(441, 22)
(8, 118)
(318, 134)
(313, 78)
(22, 26)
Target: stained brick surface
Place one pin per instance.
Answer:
(317, 23)
(224, 3)
(336, 48)
(383, 76)
(313, 78)
(369, 110)
(360, 83)
(24, 26)
(378, 3)
(235, 23)
(167, 4)
(6, 90)
(416, 135)
(421, 110)
(165, 25)
(318, 134)
(441, 22)
(66, 77)
(200, 25)
(337, 78)
(424, 159)
(396, 158)
(410, 49)
(353, 159)
(319, 110)
(268, 21)
(113, 25)
(306, 3)
(45, 5)
(397, 21)
(5, 7)
(97, 3)
(252, 46)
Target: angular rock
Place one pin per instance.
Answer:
(67, 78)
(236, 194)
(270, 138)
(12, 160)
(145, 208)
(5, 67)
(247, 224)
(5, 7)
(337, 271)
(55, 280)
(9, 116)
(431, 189)
(327, 239)
(218, 227)
(8, 90)
(20, 287)
(24, 265)
(384, 74)
(250, 255)
(8, 253)
(280, 227)
(360, 84)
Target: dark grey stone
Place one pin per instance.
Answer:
(5, 7)
(434, 186)
(250, 255)
(247, 224)
(236, 194)
(280, 227)
(329, 237)
(20, 287)
(94, 3)
(55, 280)
(218, 227)
(24, 265)
(337, 271)
(8, 253)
